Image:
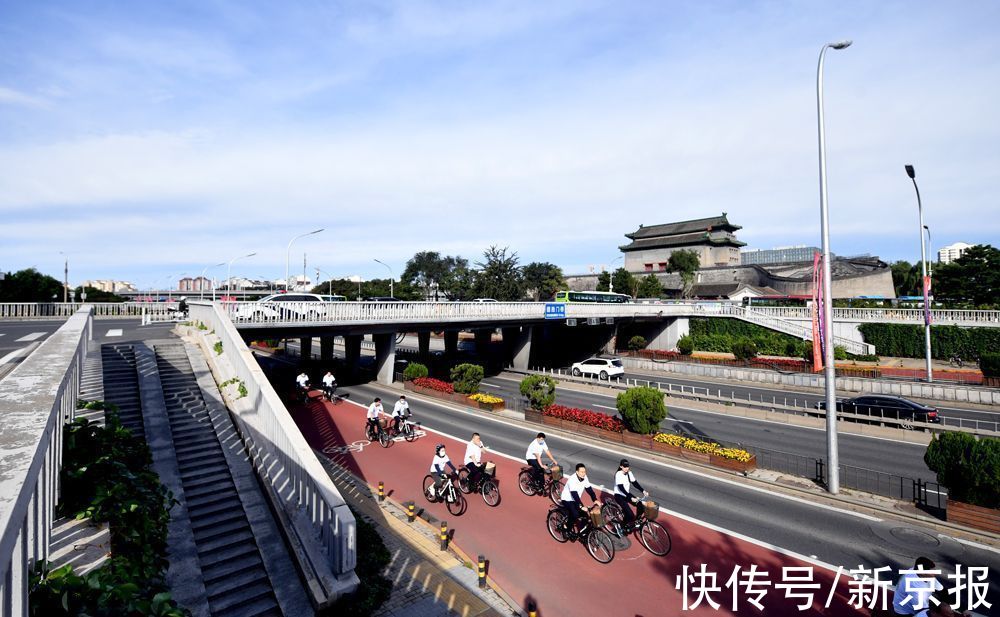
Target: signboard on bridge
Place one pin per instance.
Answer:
(555, 310)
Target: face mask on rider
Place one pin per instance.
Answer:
(441, 453)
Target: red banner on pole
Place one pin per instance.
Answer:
(927, 300)
(816, 315)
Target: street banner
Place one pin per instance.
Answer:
(816, 313)
(927, 300)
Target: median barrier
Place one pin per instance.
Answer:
(454, 397)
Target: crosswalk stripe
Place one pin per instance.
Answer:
(114, 332)
(31, 337)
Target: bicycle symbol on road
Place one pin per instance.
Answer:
(359, 446)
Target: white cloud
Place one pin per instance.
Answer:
(9, 96)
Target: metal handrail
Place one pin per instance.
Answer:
(99, 310)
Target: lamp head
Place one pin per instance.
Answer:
(841, 44)
(912, 173)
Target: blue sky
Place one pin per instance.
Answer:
(151, 139)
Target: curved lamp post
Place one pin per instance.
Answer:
(288, 251)
(391, 277)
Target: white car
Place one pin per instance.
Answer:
(602, 368)
(280, 307)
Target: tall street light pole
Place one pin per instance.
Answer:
(318, 270)
(288, 252)
(65, 276)
(930, 251)
(201, 282)
(611, 278)
(229, 270)
(391, 277)
(832, 453)
(912, 173)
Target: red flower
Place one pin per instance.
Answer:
(434, 384)
(585, 416)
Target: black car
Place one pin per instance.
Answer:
(884, 406)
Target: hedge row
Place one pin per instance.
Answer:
(907, 341)
(718, 335)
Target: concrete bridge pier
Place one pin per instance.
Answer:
(326, 349)
(305, 349)
(424, 343)
(483, 339)
(667, 333)
(385, 357)
(450, 344)
(352, 352)
(517, 341)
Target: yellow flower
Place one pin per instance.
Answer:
(486, 398)
(735, 454)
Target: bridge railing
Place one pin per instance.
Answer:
(889, 315)
(280, 452)
(99, 310)
(36, 399)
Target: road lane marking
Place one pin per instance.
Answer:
(984, 547)
(691, 519)
(606, 407)
(31, 337)
(114, 332)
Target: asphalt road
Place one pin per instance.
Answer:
(16, 335)
(831, 536)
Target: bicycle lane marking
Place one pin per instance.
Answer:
(516, 566)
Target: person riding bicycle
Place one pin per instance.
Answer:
(374, 411)
(474, 458)
(624, 481)
(534, 456)
(438, 464)
(302, 384)
(571, 499)
(400, 411)
(329, 384)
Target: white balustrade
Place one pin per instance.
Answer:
(99, 310)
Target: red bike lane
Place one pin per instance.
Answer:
(562, 579)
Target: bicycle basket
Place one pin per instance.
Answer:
(596, 518)
(651, 509)
(556, 473)
(383, 422)
(490, 469)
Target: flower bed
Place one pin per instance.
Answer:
(434, 384)
(487, 401)
(444, 391)
(586, 417)
(704, 447)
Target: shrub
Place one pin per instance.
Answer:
(969, 468)
(466, 378)
(414, 370)
(839, 353)
(218, 348)
(641, 409)
(636, 343)
(585, 416)
(375, 589)
(807, 351)
(434, 384)
(685, 345)
(907, 340)
(792, 349)
(744, 349)
(989, 364)
(540, 390)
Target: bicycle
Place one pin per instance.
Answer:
(329, 393)
(454, 499)
(381, 436)
(486, 485)
(598, 541)
(302, 394)
(552, 484)
(956, 361)
(652, 535)
(406, 429)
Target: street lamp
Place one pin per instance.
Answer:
(912, 173)
(391, 277)
(65, 276)
(611, 278)
(318, 270)
(288, 252)
(930, 249)
(201, 283)
(229, 269)
(832, 454)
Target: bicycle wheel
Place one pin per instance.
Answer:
(612, 511)
(463, 480)
(556, 522)
(429, 494)
(383, 439)
(408, 432)
(655, 538)
(457, 504)
(491, 493)
(600, 545)
(555, 491)
(526, 483)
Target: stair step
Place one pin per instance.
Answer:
(237, 582)
(207, 480)
(217, 531)
(200, 472)
(235, 604)
(233, 539)
(223, 560)
(218, 518)
(186, 459)
(206, 499)
(196, 511)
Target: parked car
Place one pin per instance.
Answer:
(884, 406)
(284, 306)
(381, 299)
(602, 368)
(485, 300)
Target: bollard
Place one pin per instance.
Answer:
(532, 610)
(411, 511)
(444, 536)
(381, 492)
(482, 571)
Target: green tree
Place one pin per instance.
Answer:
(686, 264)
(603, 281)
(974, 277)
(414, 370)
(624, 282)
(649, 287)
(637, 342)
(451, 275)
(543, 279)
(540, 391)
(744, 349)
(642, 409)
(466, 378)
(685, 345)
(499, 276)
(906, 278)
(95, 295)
(30, 285)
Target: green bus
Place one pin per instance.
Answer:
(592, 297)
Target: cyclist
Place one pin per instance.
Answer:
(624, 481)
(374, 411)
(302, 384)
(399, 411)
(571, 499)
(534, 456)
(329, 384)
(438, 464)
(474, 458)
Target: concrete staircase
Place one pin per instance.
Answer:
(121, 386)
(236, 581)
(92, 383)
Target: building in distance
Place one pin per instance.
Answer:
(952, 252)
(778, 255)
(712, 239)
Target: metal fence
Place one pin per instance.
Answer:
(36, 399)
(99, 310)
(915, 316)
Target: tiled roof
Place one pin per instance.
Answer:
(684, 227)
(691, 239)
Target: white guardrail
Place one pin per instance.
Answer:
(914, 316)
(36, 399)
(280, 452)
(99, 310)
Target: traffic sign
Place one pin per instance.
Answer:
(555, 310)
